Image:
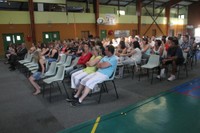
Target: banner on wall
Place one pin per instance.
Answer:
(110, 19)
(122, 33)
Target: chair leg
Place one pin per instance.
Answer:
(186, 70)
(133, 73)
(50, 92)
(100, 92)
(178, 71)
(148, 73)
(115, 89)
(59, 88)
(152, 76)
(105, 87)
(65, 89)
(140, 74)
(43, 89)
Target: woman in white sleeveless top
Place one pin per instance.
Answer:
(133, 57)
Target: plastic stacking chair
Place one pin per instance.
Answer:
(153, 62)
(27, 59)
(184, 64)
(52, 70)
(55, 79)
(62, 59)
(33, 63)
(104, 87)
(67, 62)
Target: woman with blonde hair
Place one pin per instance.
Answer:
(40, 72)
(90, 67)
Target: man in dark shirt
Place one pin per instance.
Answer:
(174, 57)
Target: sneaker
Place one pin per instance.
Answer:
(158, 77)
(72, 99)
(171, 78)
(74, 104)
(162, 73)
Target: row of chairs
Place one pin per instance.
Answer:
(56, 72)
(153, 63)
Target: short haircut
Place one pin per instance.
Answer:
(111, 48)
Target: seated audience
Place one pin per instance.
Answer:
(133, 57)
(91, 67)
(40, 72)
(174, 57)
(53, 54)
(85, 57)
(106, 67)
(157, 49)
(146, 48)
(185, 46)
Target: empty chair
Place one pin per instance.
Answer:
(153, 62)
(33, 63)
(70, 68)
(55, 79)
(27, 59)
(62, 59)
(67, 62)
(52, 70)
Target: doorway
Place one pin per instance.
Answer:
(16, 38)
(51, 36)
(103, 34)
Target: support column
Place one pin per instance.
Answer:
(87, 7)
(167, 15)
(32, 20)
(96, 11)
(139, 14)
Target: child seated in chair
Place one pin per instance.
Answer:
(40, 72)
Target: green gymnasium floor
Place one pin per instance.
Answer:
(174, 111)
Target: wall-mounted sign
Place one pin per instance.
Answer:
(110, 19)
(122, 33)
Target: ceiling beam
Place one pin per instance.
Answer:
(130, 2)
(108, 2)
(147, 3)
(169, 3)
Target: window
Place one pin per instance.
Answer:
(46, 36)
(18, 38)
(121, 12)
(8, 38)
(181, 16)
